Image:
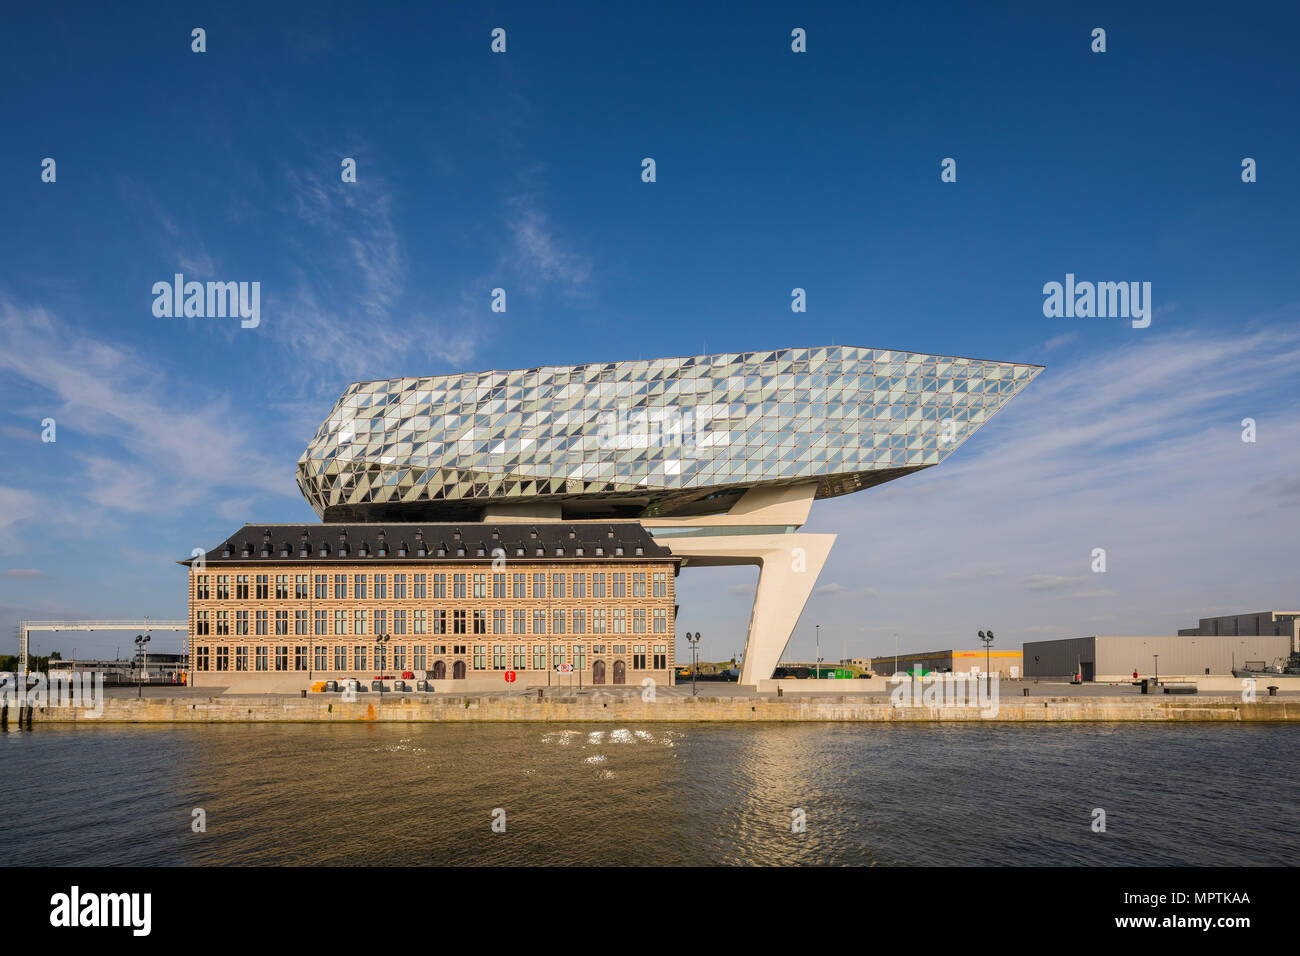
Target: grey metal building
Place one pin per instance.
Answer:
(1112, 658)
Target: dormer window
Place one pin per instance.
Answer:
(579, 552)
(496, 535)
(324, 550)
(284, 552)
(361, 551)
(572, 534)
(519, 552)
(456, 534)
(640, 552)
(248, 549)
(541, 552)
(559, 552)
(533, 534)
(480, 552)
(460, 552)
(442, 552)
(600, 552)
(618, 552)
(401, 552)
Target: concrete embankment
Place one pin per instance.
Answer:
(597, 708)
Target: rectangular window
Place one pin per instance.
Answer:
(282, 622)
(458, 622)
(358, 585)
(539, 586)
(480, 657)
(638, 620)
(301, 588)
(598, 620)
(399, 587)
(598, 585)
(661, 620)
(223, 658)
(223, 587)
(282, 587)
(381, 622)
(201, 592)
(439, 622)
(579, 657)
(458, 585)
(300, 622)
(557, 585)
(399, 621)
(261, 621)
(579, 621)
(539, 620)
(340, 587)
(322, 657)
(419, 586)
(520, 621)
(241, 658)
(201, 625)
(359, 657)
(661, 584)
(638, 584)
(223, 622)
(499, 621)
(557, 621)
(638, 657)
(381, 587)
(359, 621)
(539, 657)
(322, 587)
(580, 585)
(480, 622)
(261, 658)
(340, 657)
(557, 655)
(418, 659)
(300, 658)
(620, 620)
(322, 623)
(661, 657)
(440, 585)
(620, 584)
(480, 585)
(281, 657)
(201, 658)
(340, 622)
(399, 657)
(517, 585)
(498, 657)
(241, 587)
(498, 585)
(262, 587)
(520, 661)
(419, 621)
(241, 622)
(381, 658)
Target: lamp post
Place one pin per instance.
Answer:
(1157, 657)
(695, 663)
(988, 642)
(819, 650)
(383, 639)
(140, 641)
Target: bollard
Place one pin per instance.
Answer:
(539, 693)
(304, 693)
(4, 716)
(1272, 690)
(30, 708)
(1025, 691)
(779, 691)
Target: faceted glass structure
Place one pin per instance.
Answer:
(675, 436)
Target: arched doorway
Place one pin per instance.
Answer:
(439, 670)
(458, 670)
(620, 672)
(598, 672)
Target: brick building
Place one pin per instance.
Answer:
(443, 602)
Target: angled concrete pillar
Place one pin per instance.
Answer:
(788, 562)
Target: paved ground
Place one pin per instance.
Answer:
(1006, 688)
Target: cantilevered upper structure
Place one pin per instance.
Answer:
(718, 456)
(678, 436)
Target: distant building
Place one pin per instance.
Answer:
(159, 669)
(1111, 658)
(1004, 663)
(1258, 624)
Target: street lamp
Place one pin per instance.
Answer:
(1157, 657)
(695, 661)
(383, 639)
(140, 641)
(988, 642)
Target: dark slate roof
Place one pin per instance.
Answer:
(266, 544)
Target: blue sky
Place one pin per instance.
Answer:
(775, 170)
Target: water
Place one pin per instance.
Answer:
(652, 794)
